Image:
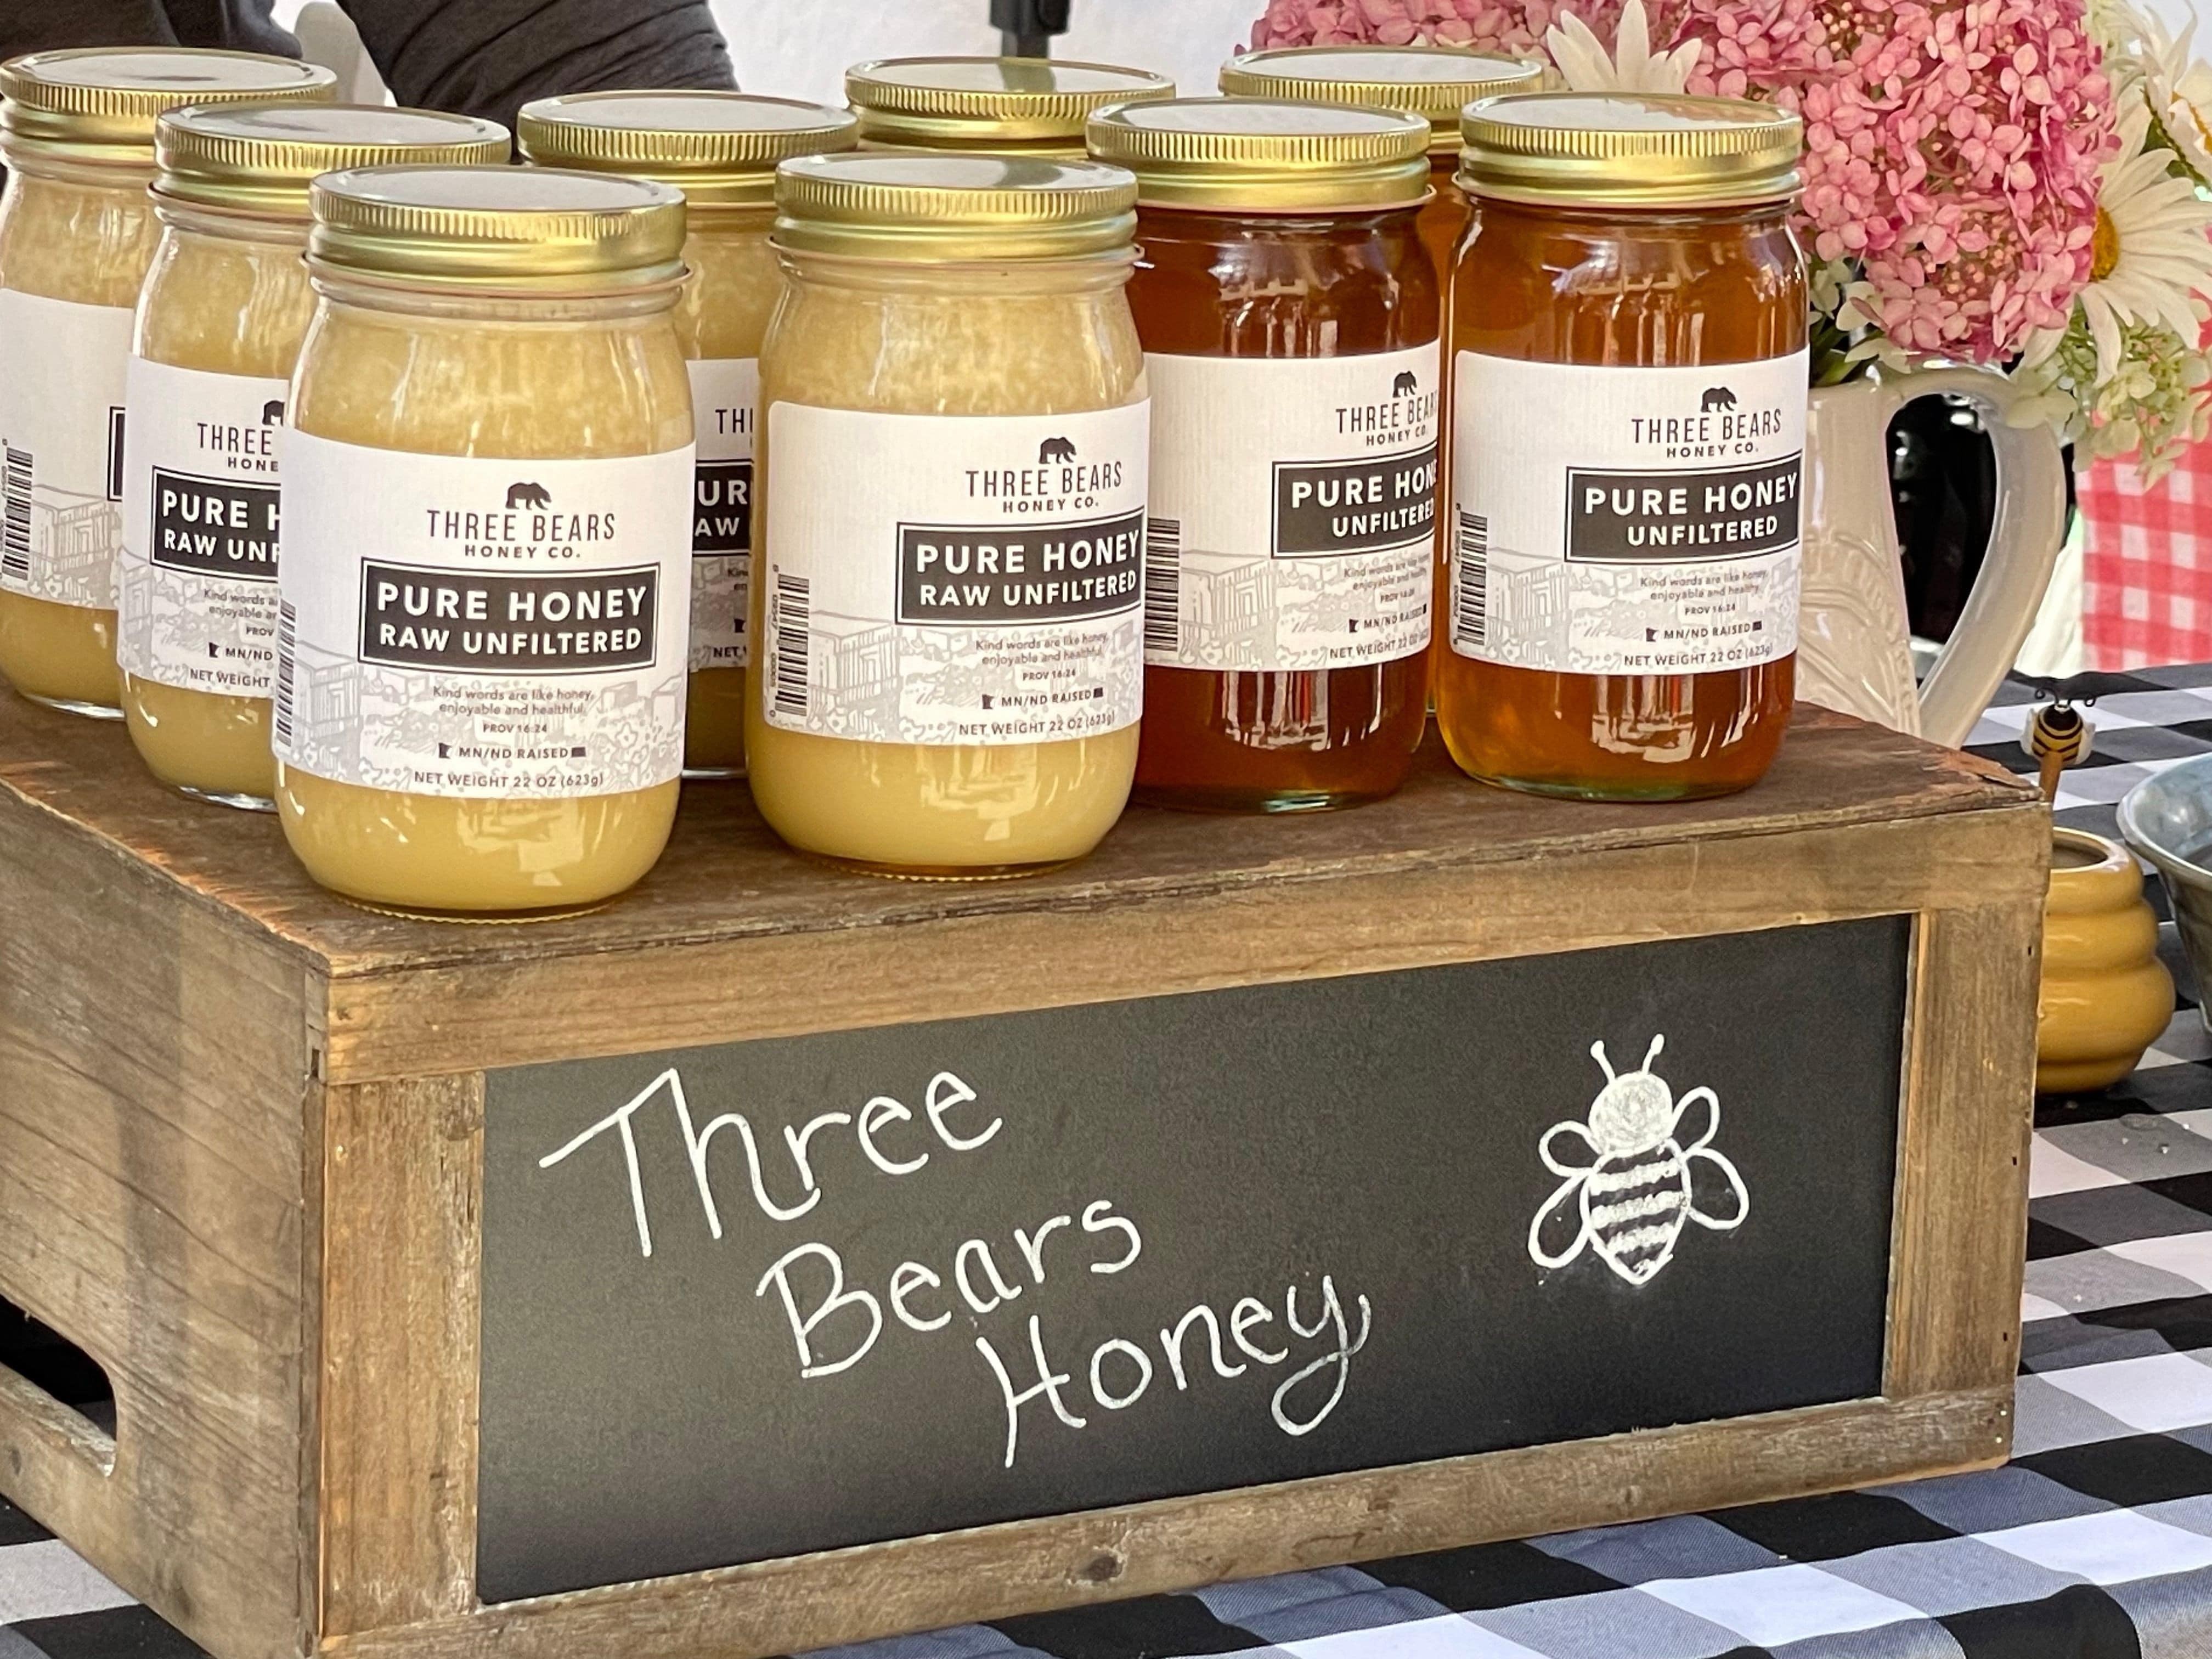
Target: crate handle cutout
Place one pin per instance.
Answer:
(49, 1361)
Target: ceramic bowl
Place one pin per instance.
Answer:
(2167, 820)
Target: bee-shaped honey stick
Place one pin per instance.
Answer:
(2057, 736)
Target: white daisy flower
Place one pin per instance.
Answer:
(2176, 84)
(2149, 254)
(1632, 67)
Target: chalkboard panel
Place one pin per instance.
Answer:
(1252, 1234)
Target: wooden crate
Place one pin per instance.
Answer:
(242, 1162)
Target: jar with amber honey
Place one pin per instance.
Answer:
(1434, 82)
(1289, 315)
(722, 150)
(1629, 338)
(948, 585)
(1032, 107)
(219, 322)
(486, 581)
(76, 233)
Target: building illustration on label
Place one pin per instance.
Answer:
(1001, 602)
(456, 632)
(1653, 527)
(71, 544)
(1294, 506)
(1629, 1190)
(202, 519)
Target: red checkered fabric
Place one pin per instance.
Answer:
(2146, 593)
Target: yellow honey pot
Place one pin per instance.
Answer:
(2106, 994)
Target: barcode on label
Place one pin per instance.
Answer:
(1164, 585)
(288, 639)
(790, 619)
(1471, 582)
(16, 543)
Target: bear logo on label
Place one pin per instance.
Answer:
(1054, 449)
(1406, 385)
(272, 412)
(528, 495)
(1631, 1183)
(1718, 397)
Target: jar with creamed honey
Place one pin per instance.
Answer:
(485, 588)
(1434, 82)
(1289, 314)
(1630, 400)
(947, 587)
(722, 150)
(220, 321)
(1032, 107)
(76, 233)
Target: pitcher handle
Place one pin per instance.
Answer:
(2024, 537)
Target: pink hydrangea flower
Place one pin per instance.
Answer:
(1509, 25)
(1952, 147)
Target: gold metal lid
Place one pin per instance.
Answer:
(1434, 82)
(99, 104)
(1629, 149)
(720, 148)
(259, 158)
(1266, 155)
(498, 229)
(989, 103)
(886, 204)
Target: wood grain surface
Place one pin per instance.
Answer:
(777, 1606)
(157, 1210)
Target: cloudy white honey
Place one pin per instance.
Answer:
(76, 235)
(543, 376)
(950, 340)
(227, 295)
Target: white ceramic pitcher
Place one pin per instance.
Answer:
(1854, 644)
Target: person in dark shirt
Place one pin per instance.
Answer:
(476, 57)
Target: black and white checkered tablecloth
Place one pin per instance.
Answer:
(2095, 1542)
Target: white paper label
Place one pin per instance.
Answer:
(724, 391)
(957, 579)
(197, 581)
(1616, 520)
(478, 627)
(1293, 509)
(61, 423)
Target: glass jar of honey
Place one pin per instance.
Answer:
(1032, 107)
(722, 150)
(220, 321)
(76, 233)
(485, 589)
(948, 585)
(1629, 338)
(1434, 82)
(1289, 316)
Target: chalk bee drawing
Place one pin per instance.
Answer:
(1634, 1189)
